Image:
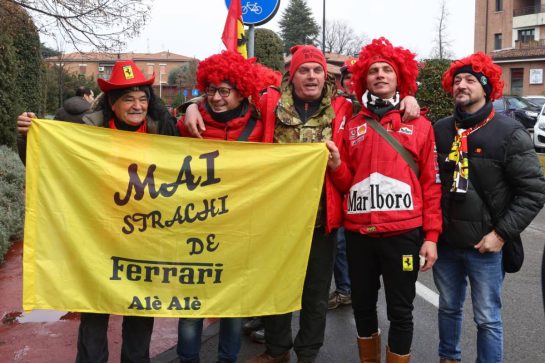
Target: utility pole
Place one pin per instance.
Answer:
(323, 29)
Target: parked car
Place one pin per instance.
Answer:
(539, 131)
(518, 108)
(538, 100)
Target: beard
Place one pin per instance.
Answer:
(466, 101)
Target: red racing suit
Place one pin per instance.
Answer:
(382, 194)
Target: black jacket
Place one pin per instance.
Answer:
(73, 110)
(504, 169)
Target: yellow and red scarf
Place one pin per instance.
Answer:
(459, 155)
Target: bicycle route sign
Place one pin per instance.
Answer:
(257, 12)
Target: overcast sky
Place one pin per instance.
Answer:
(193, 28)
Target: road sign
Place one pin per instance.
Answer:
(257, 12)
(185, 92)
(194, 92)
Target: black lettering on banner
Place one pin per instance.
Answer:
(197, 245)
(185, 176)
(208, 208)
(210, 178)
(149, 303)
(165, 272)
(155, 303)
(138, 185)
(185, 304)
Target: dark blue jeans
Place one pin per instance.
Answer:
(189, 339)
(451, 272)
(340, 270)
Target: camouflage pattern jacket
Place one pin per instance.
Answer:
(284, 125)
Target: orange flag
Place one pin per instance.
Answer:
(233, 32)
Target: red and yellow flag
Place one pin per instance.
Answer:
(233, 32)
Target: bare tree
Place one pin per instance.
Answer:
(341, 38)
(442, 47)
(184, 75)
(103, 24)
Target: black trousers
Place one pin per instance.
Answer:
(312, 318)
(93, 339)
(396, 259)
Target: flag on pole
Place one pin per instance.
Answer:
(233, 32)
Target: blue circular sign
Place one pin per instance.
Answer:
(257, 12)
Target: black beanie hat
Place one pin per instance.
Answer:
(483, 80)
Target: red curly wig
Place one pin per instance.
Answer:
(480, 63)
(381, 50)
(231, 67)
(267, 76)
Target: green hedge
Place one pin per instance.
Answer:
(12, 202)
(21, 69)
(8, 98)
(430, 92)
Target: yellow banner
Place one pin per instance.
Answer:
(138, 224)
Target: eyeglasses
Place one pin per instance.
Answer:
(223, 91)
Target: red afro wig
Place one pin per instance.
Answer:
(381, 50)
(482, 64)
(267, 76)
(231, 67)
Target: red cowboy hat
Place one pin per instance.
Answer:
(125, 74)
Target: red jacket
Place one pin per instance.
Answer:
(230, 130)
(382, 193)
(343, 111)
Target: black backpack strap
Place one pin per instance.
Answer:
(405, 154)
(247, 130)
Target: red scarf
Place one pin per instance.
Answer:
(142, 129)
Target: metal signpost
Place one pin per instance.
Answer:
(256, 12)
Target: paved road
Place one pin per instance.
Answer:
(523, 319)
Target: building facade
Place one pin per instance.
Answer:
(513, 33)
(100, 65)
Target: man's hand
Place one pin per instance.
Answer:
(334, 160)
(491, 242)
(411, 108)
(23, 122)
(193, 121)
(429, 252)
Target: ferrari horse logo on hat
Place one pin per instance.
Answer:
(125, 74)
(127, 70)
